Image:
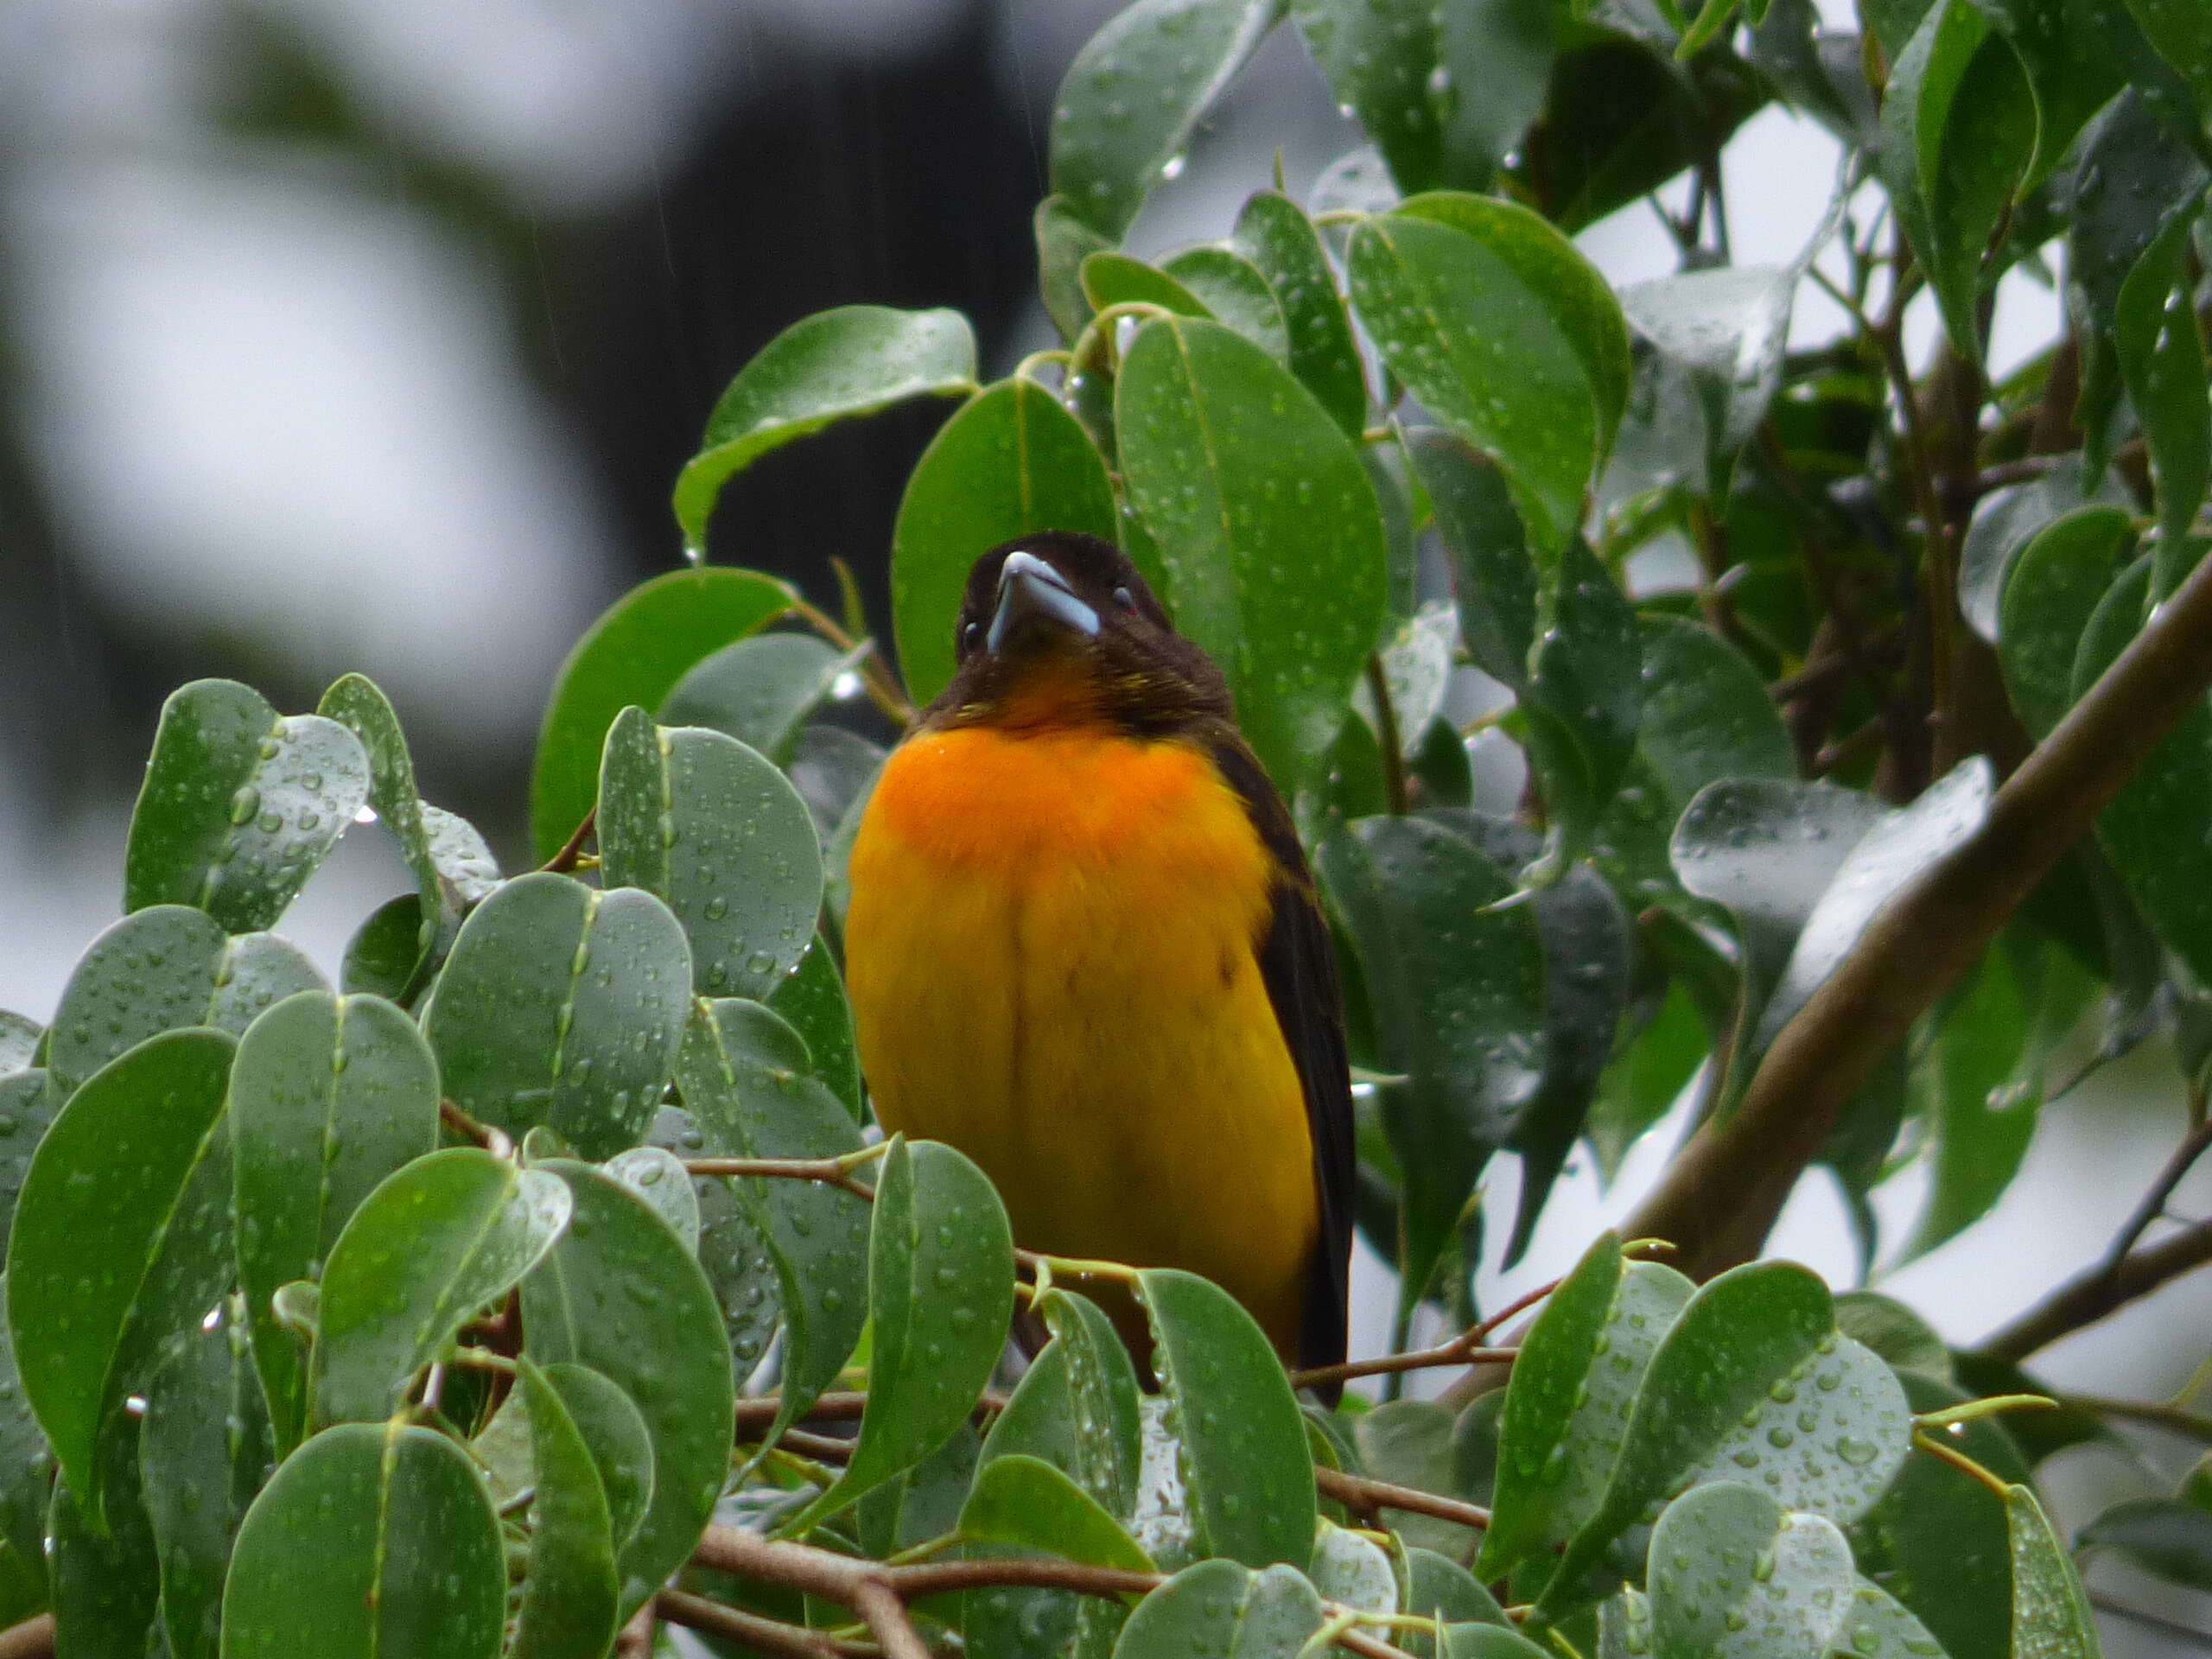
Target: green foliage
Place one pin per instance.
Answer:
(444, 1312)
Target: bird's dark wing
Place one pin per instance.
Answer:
(1299, 965)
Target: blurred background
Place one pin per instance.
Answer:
(371, 335)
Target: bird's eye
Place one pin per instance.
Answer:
(971, 635)
(1125, 598)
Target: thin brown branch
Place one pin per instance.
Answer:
(32, 1639)
(493, 1139)
(883, 689)
(2192, 1147)
(1388, 739)
(763, 1635)
(830, 1172)
(879, 1605)
(851, 1582)
(1459, 1352)
(1722, 1195)
(2159, 1414)
(571, 850)
(635, 1640)
(1368, 1496)
(755, 1417)
(2102, 1290)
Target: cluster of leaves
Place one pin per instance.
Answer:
(450, 1310)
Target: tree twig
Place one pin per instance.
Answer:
(1458, 1351)
(1388, 738)
(879, 1604)
(830, 1172)
(564, 860)
(2102, 1290)
(1722, 1194)
(32, 1639)
(635, 1640)
(1367, 1496)
(2159, 1414)
(2192, 1147)
(761, 1634)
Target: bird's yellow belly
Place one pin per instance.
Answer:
(1050, 952)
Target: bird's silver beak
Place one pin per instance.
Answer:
(1031, 589)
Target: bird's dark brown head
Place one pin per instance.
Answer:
(1058, 629)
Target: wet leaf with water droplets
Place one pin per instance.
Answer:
(622, 1296)
(1024, 1501)
(761, 691)
(716, 831)
(406, 1552)
(205, 1447)
(853, 359)
(657, 1176)
(1270, 538)
(1243, 1450)
(1131, 98)
(1751, 1382)
(1735, 1576)
(1218, 1607)
(1722, 333)
(165, 968)
(436, 1242)
(120, 1170)
(2050, 592)
(812, 999)
(940, 1283)
(239, 804)
(1352, 1570)
(1273, 233)
(570, 1585)
(1010, 462)
(2050, 1611)
(1234, 291)
(742, 1072)
(1456, 990)
(563, 1007)
(329, 1095)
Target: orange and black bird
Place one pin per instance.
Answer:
(1083, 947)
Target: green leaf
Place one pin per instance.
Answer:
(2005, 523)
(615, 1433)
(1958, 126)
(709, 826)
(1064, 242)
(1116, 278)
(2050, 1611)
(1011, 462)
(1273, 233)
(1488, 1642)
(205, 1447)
(1134, 94)
(761, 691)
(2053, 588)
(406, 1552)
(163, 969)
(853, 359)
(1493, 571)
(105, 1578)
(940, 1292)
(1248, 1475)
(1734, 1577)
(239, 804)
(635, 653)
(1938, 1540)
(1751, 1382)
(1417, 1443)
(329, 1095)
(1269, 531)
(1437, 1587)
(742, 1073)
(1878, 1625)
(434, 1242)
(2153, 831)
(563, 1007)
(1025, 1501)
(2159, 1534)
(113, 1178)
(1562, 1432)
(2076, 54)
(1457, 323)
(2183, 34)
(28, 1103)
(1351, 1571)
(1495, 62)
(657, 1176)
(1457, 989)
(1722, 333)
(19, 1039)
(620, 1294)
(1379, 59)
(452, 867)
(1218, 1607)
(1233, 289)
(26, 1462)
(569, 1586)
(1895, 1331)
(812, 999)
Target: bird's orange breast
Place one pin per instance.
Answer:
(1050, 955)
